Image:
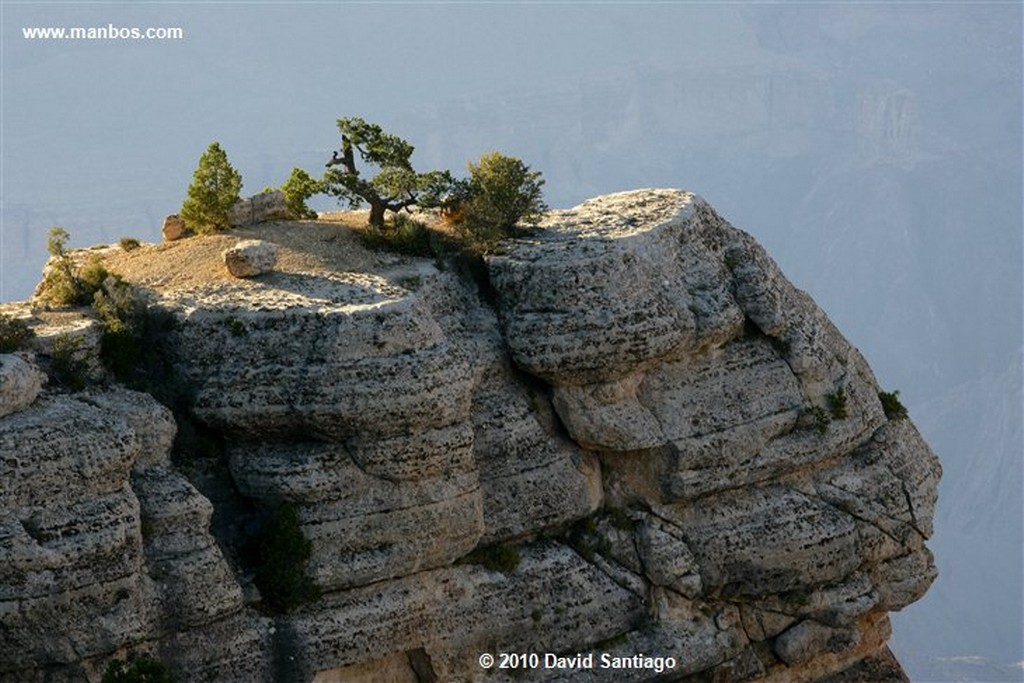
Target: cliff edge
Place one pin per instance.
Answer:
(630, 447)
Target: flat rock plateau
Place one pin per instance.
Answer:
(670, 449)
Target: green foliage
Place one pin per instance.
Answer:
(69, 369)
(129, 243)
(214, 190)
(781, 346)
(236, 327)
(395, 187)
(121, 313)
(497, 558)
(13, 333)
(837, 403)
(585, 539)
(620, 519)
(144, 669)
(91, 277)
(297, 189)
(193, 441)
(60, 286)
(894, 409)
(406, 235)
(501, 192)
(821, 419)
(410, 282)
(65, 283)
(280, 553)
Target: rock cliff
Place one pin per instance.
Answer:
(685, 471)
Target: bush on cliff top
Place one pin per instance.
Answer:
(13, 333)
(65, 282)
(214, 190)
(501, 192)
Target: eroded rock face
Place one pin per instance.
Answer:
(651, 443)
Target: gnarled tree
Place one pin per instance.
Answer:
(395, 187)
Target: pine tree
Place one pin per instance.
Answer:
(214, 190)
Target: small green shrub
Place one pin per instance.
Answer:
(406, 235)
(781, 346)
(297, 189)
(14, 333)
(500, 193)
(585, 540)
(147, 527)
(837, 403)
(68, 368)
(129, 243)
(821, 419)
(59, 286)
(497, 558)
(90, 279)
(120, 311)
(894, 409)
(280, 553)
(620, 519)
(237, 327)
(410, 282)
(144, 669)
(66, 284)
(214, 190)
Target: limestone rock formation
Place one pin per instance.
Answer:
(266, 206)
(638, 439)
(20, 383)
(249, 258)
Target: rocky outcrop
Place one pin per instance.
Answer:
(648, 443)
(265, 206)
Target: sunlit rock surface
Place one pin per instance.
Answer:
(639, 437)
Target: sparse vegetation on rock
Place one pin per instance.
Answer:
(894, 409)
(13, 333)
(395, 187)
(121, 313)
(837, 403)
(69, 369)
(280, 552)
(65, 282)
(501, 192)
(498, 558)
(214, 190)
(822, 419)
(144, 669)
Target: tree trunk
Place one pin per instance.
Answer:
(377, 215)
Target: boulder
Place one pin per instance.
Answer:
(20, 383)
(174, 228)
(250, 258)
(266, 206)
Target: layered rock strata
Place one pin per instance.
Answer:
(647, 442)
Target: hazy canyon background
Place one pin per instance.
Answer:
(874, 149)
